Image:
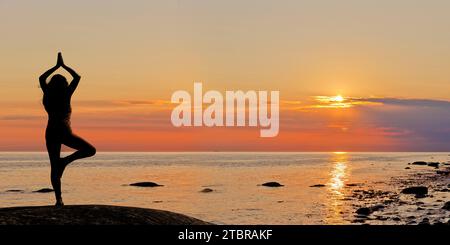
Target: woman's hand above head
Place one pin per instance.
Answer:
(76, 78)
(45, 75)
(60, 61)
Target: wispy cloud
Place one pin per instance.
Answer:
(406, 102)
(323, 101)
(144, 102)
(20, 117)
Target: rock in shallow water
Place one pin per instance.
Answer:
(443, 172)
(15, 190)
(44, 190)
(425, 221)
(272, 184)
(318, 185)
(419, 163)
(377, 207)
(433, 164)
(416, 190)
(396, 219)
(363, 211)
(368, 210)
(446, 206)
(145, 184)
(354, 184)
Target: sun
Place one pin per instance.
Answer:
(340, 152)
(337, 98)
(337, 101)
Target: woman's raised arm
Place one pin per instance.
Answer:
(76, 78)
(45, 75)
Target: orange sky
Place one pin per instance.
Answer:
(387, 59)
(314, 124)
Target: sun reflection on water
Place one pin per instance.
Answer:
(337, 179)
(336, 192)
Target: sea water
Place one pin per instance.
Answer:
(235, 178)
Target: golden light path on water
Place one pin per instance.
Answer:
(338, 177)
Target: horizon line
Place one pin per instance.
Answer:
(335, 152)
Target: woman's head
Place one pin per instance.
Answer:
(55, 97)
(58, 83)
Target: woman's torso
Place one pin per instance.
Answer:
(58, 108)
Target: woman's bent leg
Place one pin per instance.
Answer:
(84, 149)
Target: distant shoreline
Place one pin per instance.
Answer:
(216, 151)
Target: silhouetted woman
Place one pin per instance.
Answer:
(57, 96)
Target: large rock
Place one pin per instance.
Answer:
(92, 215)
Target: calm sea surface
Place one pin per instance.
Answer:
(235, 177)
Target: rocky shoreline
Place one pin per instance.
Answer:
(421, 196)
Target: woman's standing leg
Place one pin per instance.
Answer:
(54, 151)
